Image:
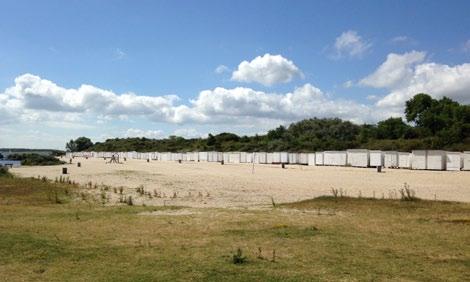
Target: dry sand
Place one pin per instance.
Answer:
(234, 185)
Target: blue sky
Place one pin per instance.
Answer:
(315, 58)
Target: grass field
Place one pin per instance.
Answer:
(50, 231)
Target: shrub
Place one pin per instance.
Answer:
(238, 257)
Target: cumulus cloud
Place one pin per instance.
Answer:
(397, 70)
(303, 102)
(31, 92)
(266, 70)
(135, 132)
(350, 44)
(405, 75)
(33, 99)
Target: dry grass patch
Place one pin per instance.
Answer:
(364, 239)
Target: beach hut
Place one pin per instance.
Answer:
(418, 159)
(391, 159)
(226, 157)
(234, 157)
(249, 157)
(311, 159)
(404, 160)
(303, 158)
(284, 157)
(276, 158)
(358, 157)
(454, 160)
(293, 158)
(466, 160)
(334, 158)
(203, 156)
(436, 160)
(319, 158)
(243, 157)
(261, 157)
(376, 158)
(269, 158)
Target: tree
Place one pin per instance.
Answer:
(1, 156)
(416, 106)
(392, 128)
(78, 145)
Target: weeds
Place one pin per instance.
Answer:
(407, 194)
(238, 257)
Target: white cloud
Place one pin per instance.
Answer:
(407, 74)
(267, 70)
(221, 69)
(466, 46)
(348, 84)
(119, 54)
(187, 133)
(135, 132)
(33, 100)
(32, 94)
(350, 44)
(396, 70)
(244, 104)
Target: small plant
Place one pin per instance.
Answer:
(129, 201)
(140, 190)
(121, 189)
(407, 194)
(335, 192)
(272, 202)
(44, 179)
(238, 257)
(274, 256)
(260, 255)
(115, 190)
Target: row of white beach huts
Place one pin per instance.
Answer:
(417, 159)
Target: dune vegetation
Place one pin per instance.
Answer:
(56, 230)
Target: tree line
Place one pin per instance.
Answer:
(430, 124)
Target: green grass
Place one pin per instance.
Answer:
(324, 239)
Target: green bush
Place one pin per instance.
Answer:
(35, 159)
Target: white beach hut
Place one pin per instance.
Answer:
(276, 158)
(376, 158)
(243, 157)
(269, 158)
(454, 160)
(293, 158)
(319, 158)
(334, 158)
(436, 160)
(311, 159)
(418, 159)
(358, 157)
(466, 160)
(249, 157)
(303, 158)
(404, 160)
(234, 157)
(391, 159)
(261, 157)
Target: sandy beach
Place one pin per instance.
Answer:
(202, 184)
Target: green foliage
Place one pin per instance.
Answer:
(78, 145)
(4, 172)
(434, 124)
(35, 159)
